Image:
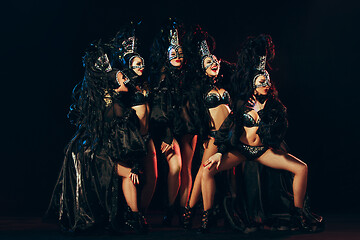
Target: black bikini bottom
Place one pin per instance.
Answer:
(251, 152)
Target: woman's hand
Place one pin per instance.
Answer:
(120, 78)
(256, 105)
(134, 178)
(165, 147)
(214, 159)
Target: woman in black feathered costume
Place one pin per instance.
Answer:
(128, 60)
(171, 121)
(255, 131)
(107, 147)
(213, 97)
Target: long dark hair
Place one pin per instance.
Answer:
(248, 59)
(118, 48)
(192, 41)
(120, 55)
(88, 106)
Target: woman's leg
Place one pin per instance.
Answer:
(210, 150)
(173, 158)
(128, 187)
(228, 161)
(279, 159)
(151, 174)
(188, 144)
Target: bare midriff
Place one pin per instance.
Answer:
(249, 136)
(219, 114)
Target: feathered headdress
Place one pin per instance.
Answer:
(125, 44)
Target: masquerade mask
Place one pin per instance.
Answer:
(174, 44)
(204, 50)
(128, 47)
(263, 72)
(138, 66)
(214, 60)
(264, 84)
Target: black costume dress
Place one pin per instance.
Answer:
(170, 117)
(87, 193)
(263, 195)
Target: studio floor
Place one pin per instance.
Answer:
(337, 227)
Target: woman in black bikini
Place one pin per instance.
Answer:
(255, 130)
(205, 68)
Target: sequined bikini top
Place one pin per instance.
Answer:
(214, 99)
(248, 120)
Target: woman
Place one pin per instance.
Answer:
(126, 58)
(171, 117)
(106, 148)
(255, 131)
(205, 69)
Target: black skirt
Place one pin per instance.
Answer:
(86, 195)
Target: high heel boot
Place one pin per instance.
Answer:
(299, 220)
(188, 217)
(135, 221)
(206, 221)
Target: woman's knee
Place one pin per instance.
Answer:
(127, 182)
(174, 169)
(206, 174)
(301, 169)
(304, 168)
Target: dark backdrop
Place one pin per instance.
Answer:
(315, 71)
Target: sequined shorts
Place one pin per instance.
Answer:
(251, 152)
